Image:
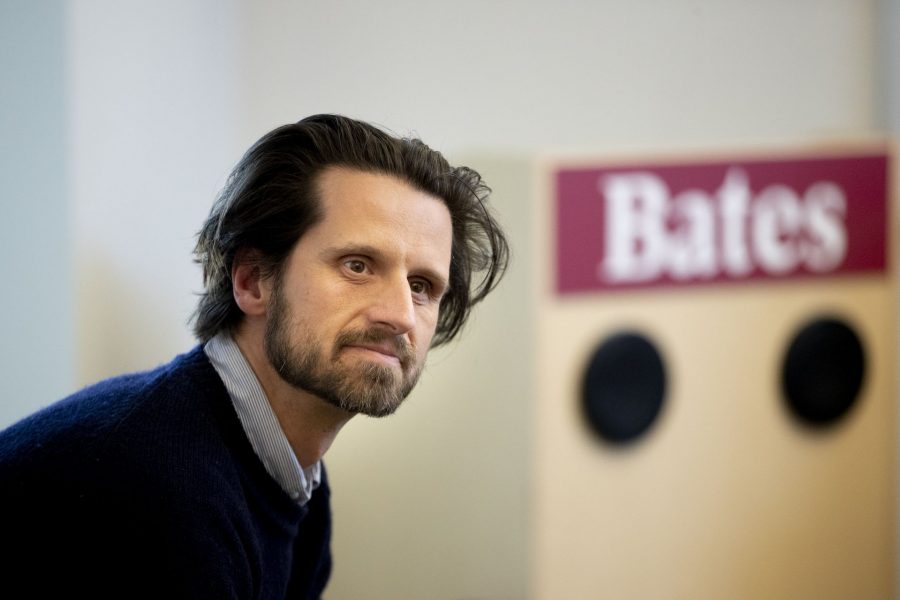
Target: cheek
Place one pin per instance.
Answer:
(425, 331)
(319, 305)
(313, 320)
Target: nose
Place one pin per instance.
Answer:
(392, 308)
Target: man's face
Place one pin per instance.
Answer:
(352, 315)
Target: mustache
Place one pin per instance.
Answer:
(402, 348)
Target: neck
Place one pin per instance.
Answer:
(309, 423)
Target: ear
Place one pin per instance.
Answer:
(251, 291)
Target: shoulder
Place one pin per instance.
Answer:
(145, 456)
(129, 410)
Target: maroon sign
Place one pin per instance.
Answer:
(687, 224)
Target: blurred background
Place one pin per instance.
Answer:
(120, 120)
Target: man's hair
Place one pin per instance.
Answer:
(270, 200)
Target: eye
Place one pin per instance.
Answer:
(420, 287)
(355, 265)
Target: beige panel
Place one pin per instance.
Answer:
(726, 497)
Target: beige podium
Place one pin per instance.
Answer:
(727, 494)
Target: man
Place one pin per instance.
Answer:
(335, 257)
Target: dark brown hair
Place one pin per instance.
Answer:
(269, 201)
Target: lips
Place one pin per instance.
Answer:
(390, 347)
(381, 348)
(385, 349)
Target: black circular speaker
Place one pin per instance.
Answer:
(823, 371)
(623, 387)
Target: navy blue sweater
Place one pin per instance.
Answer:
(145, 485)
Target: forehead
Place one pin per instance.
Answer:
(375, 208)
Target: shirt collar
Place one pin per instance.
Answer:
(259, 420)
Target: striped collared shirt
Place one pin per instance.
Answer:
(259, 420)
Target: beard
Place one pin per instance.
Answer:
(372, 389)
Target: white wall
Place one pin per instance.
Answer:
(153, 107)
(163, 97)
(535, 73)
(888, 83)
(36, 343)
